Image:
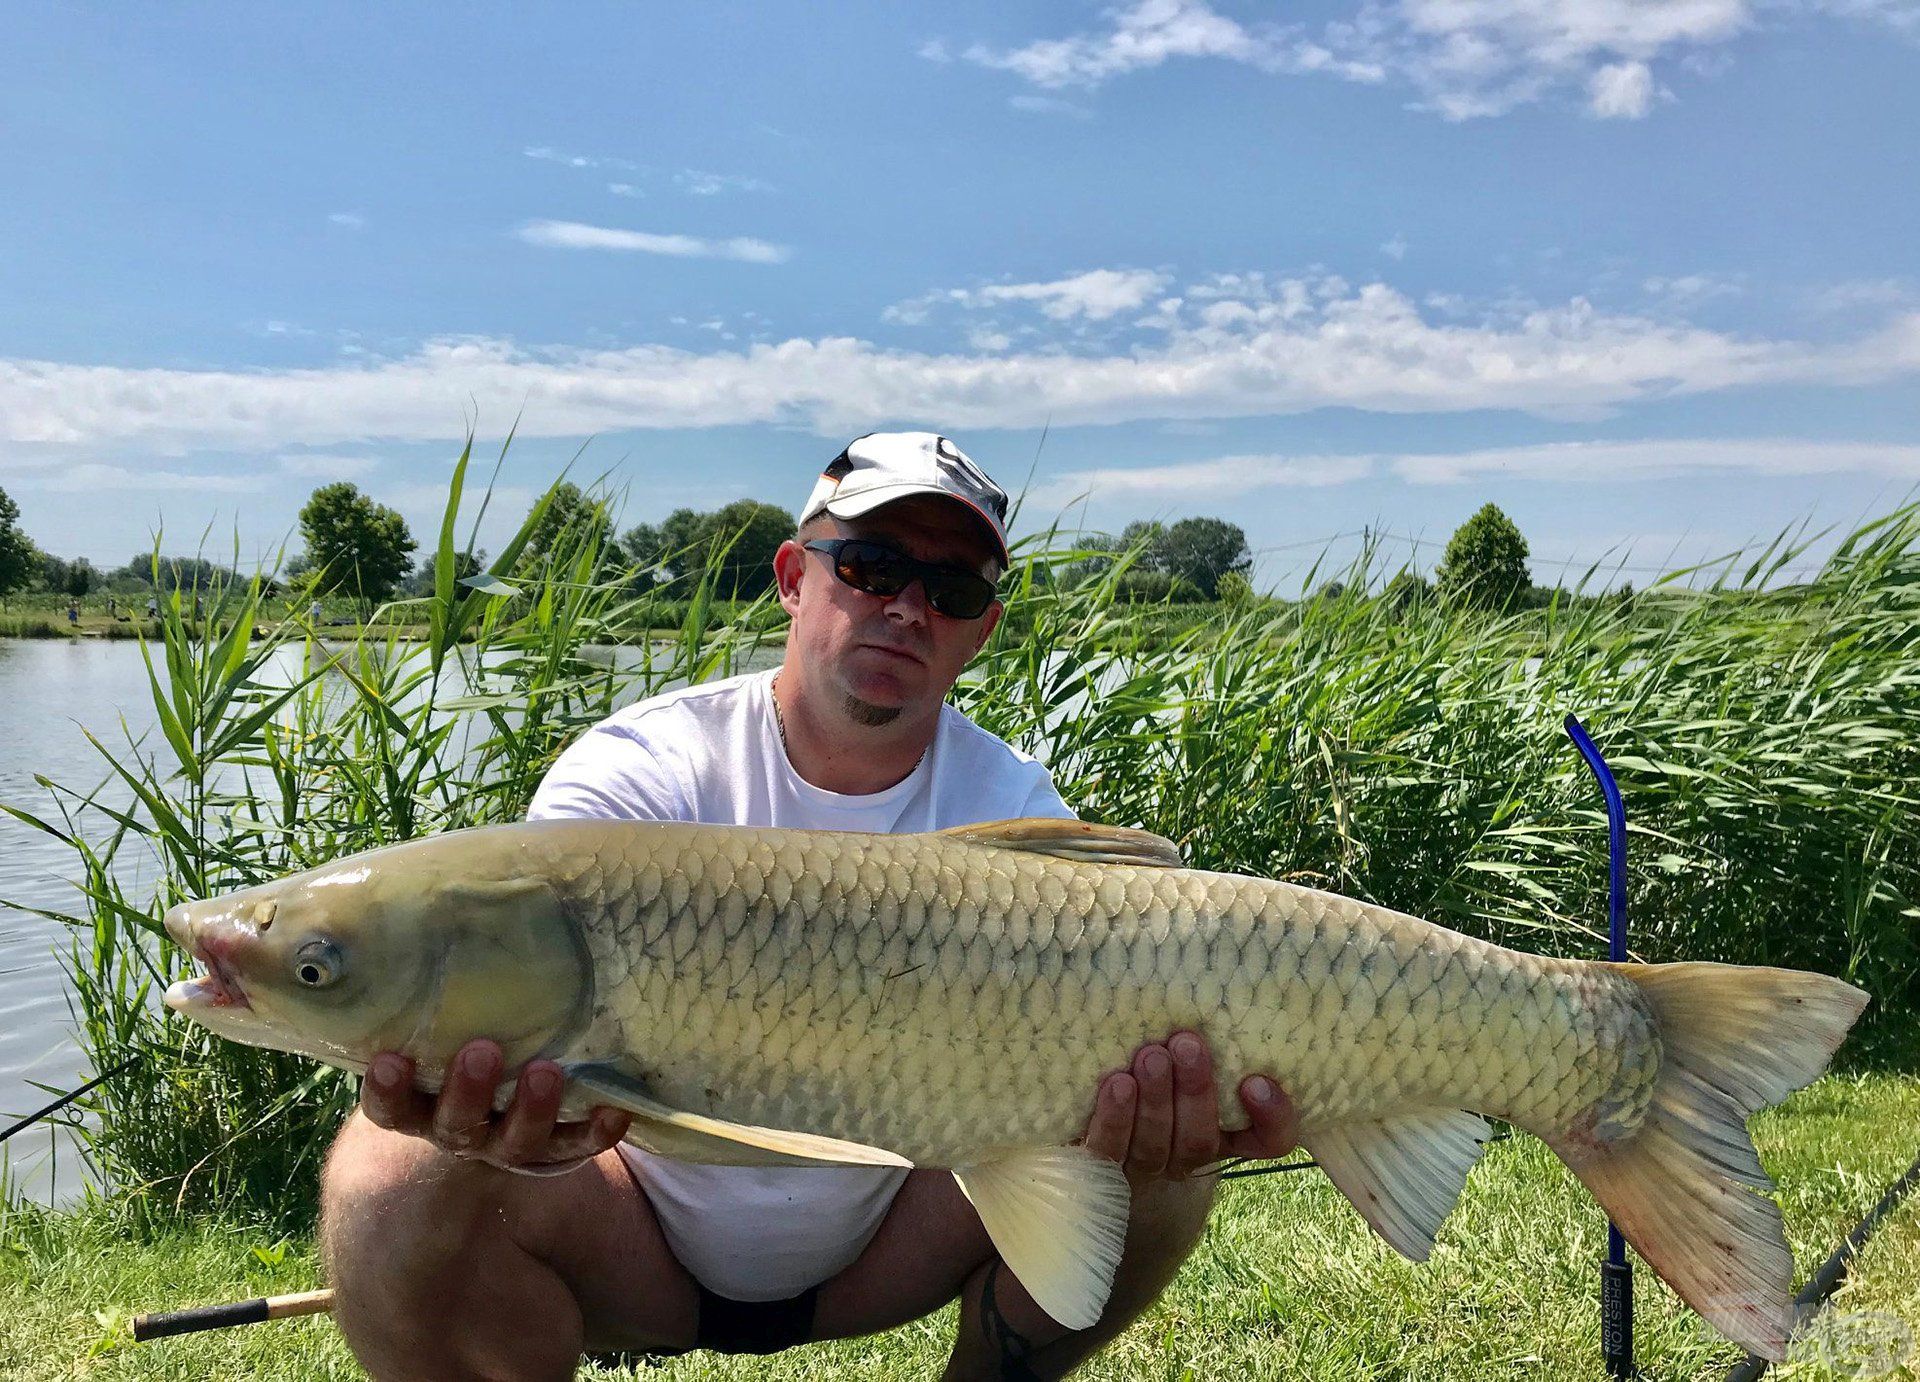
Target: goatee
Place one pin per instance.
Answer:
(867, 713)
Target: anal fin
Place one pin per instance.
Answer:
(714, 1141)
(1058, 1218)
(1403, 1173)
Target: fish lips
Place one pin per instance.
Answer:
(219, 985)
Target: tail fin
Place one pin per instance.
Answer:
(1682, 1188)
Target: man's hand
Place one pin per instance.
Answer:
(461, 1120)
(1160, 1117)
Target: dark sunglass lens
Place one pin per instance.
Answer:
(870, 567)
(959, 595)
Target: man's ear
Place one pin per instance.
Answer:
(987, 623)
(789, 564)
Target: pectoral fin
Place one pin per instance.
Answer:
(1058, 1218)
(1404, 1173)
(714, 1141)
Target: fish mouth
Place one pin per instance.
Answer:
(219, 987)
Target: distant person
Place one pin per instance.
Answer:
(73, 611)
(113, 608)
(153, 606)
(313, 612)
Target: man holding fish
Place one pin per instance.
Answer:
(446, 1267)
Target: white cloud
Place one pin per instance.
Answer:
(325, 467)
(1396, 248)
(1852, 295)
(574, 235)
(1686, 290)
(1463, 58)
(550, 155)
(1620, 91)
(713, 184)
(349, 220)
(1637, 461)
(1305, 345)
(1096, 295)
(1220, 478)
(624, 189)
(1664, 460)
(1152, 32)
(89, 477)
(1049, 105)
(1900, 15)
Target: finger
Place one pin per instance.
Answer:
(1196, 1114)
(1275, 1123)
(1111, 1128)
(574, 1141)
(1153, 1113)
(390, 1101)
(462, 1114)
(529, 1125)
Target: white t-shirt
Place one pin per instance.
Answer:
(712, 753)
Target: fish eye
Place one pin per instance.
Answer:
(316, 964)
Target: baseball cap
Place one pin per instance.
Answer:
(884, 466)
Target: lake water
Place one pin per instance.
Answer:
(49, 690)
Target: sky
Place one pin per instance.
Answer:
(1642, 272)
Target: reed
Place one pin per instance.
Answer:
(1409, 756)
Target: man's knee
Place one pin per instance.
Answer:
(381, 1187)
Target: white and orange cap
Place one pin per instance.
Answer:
(884, 466)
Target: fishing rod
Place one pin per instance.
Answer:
(68, 1098)
(171, 1322)
(1616, 1273)
(1833, 1271)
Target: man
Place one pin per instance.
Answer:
(447, 1268)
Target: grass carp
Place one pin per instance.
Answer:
(781, 997)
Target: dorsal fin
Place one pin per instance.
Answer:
(1069, 839)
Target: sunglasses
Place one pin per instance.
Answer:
(877, 569)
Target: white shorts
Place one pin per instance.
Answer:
(764, 1233)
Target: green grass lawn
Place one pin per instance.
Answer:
(1289, 1283)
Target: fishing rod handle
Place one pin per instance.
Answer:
(166, 1323)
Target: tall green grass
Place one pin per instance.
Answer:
(1763, 735)
(1410, 757)
(278, 748)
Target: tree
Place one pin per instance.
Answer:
(570, 515)
(1145, 539)
(1408, 590)
(1200, 551)
(80, 578)
(1235, 589)
(356, 546)
(465, 564)
(19, 558)
(176, 573)
(740, 542)
(735, 545)
(1486, 562)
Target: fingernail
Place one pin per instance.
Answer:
(1186, 1049)
(1260, 1089)
(477, 1063)
(542, 1084)
(385, 1072)
(1155, 1061)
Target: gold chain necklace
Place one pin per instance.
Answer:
(779, 720)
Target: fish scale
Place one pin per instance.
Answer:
(1117, 954)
